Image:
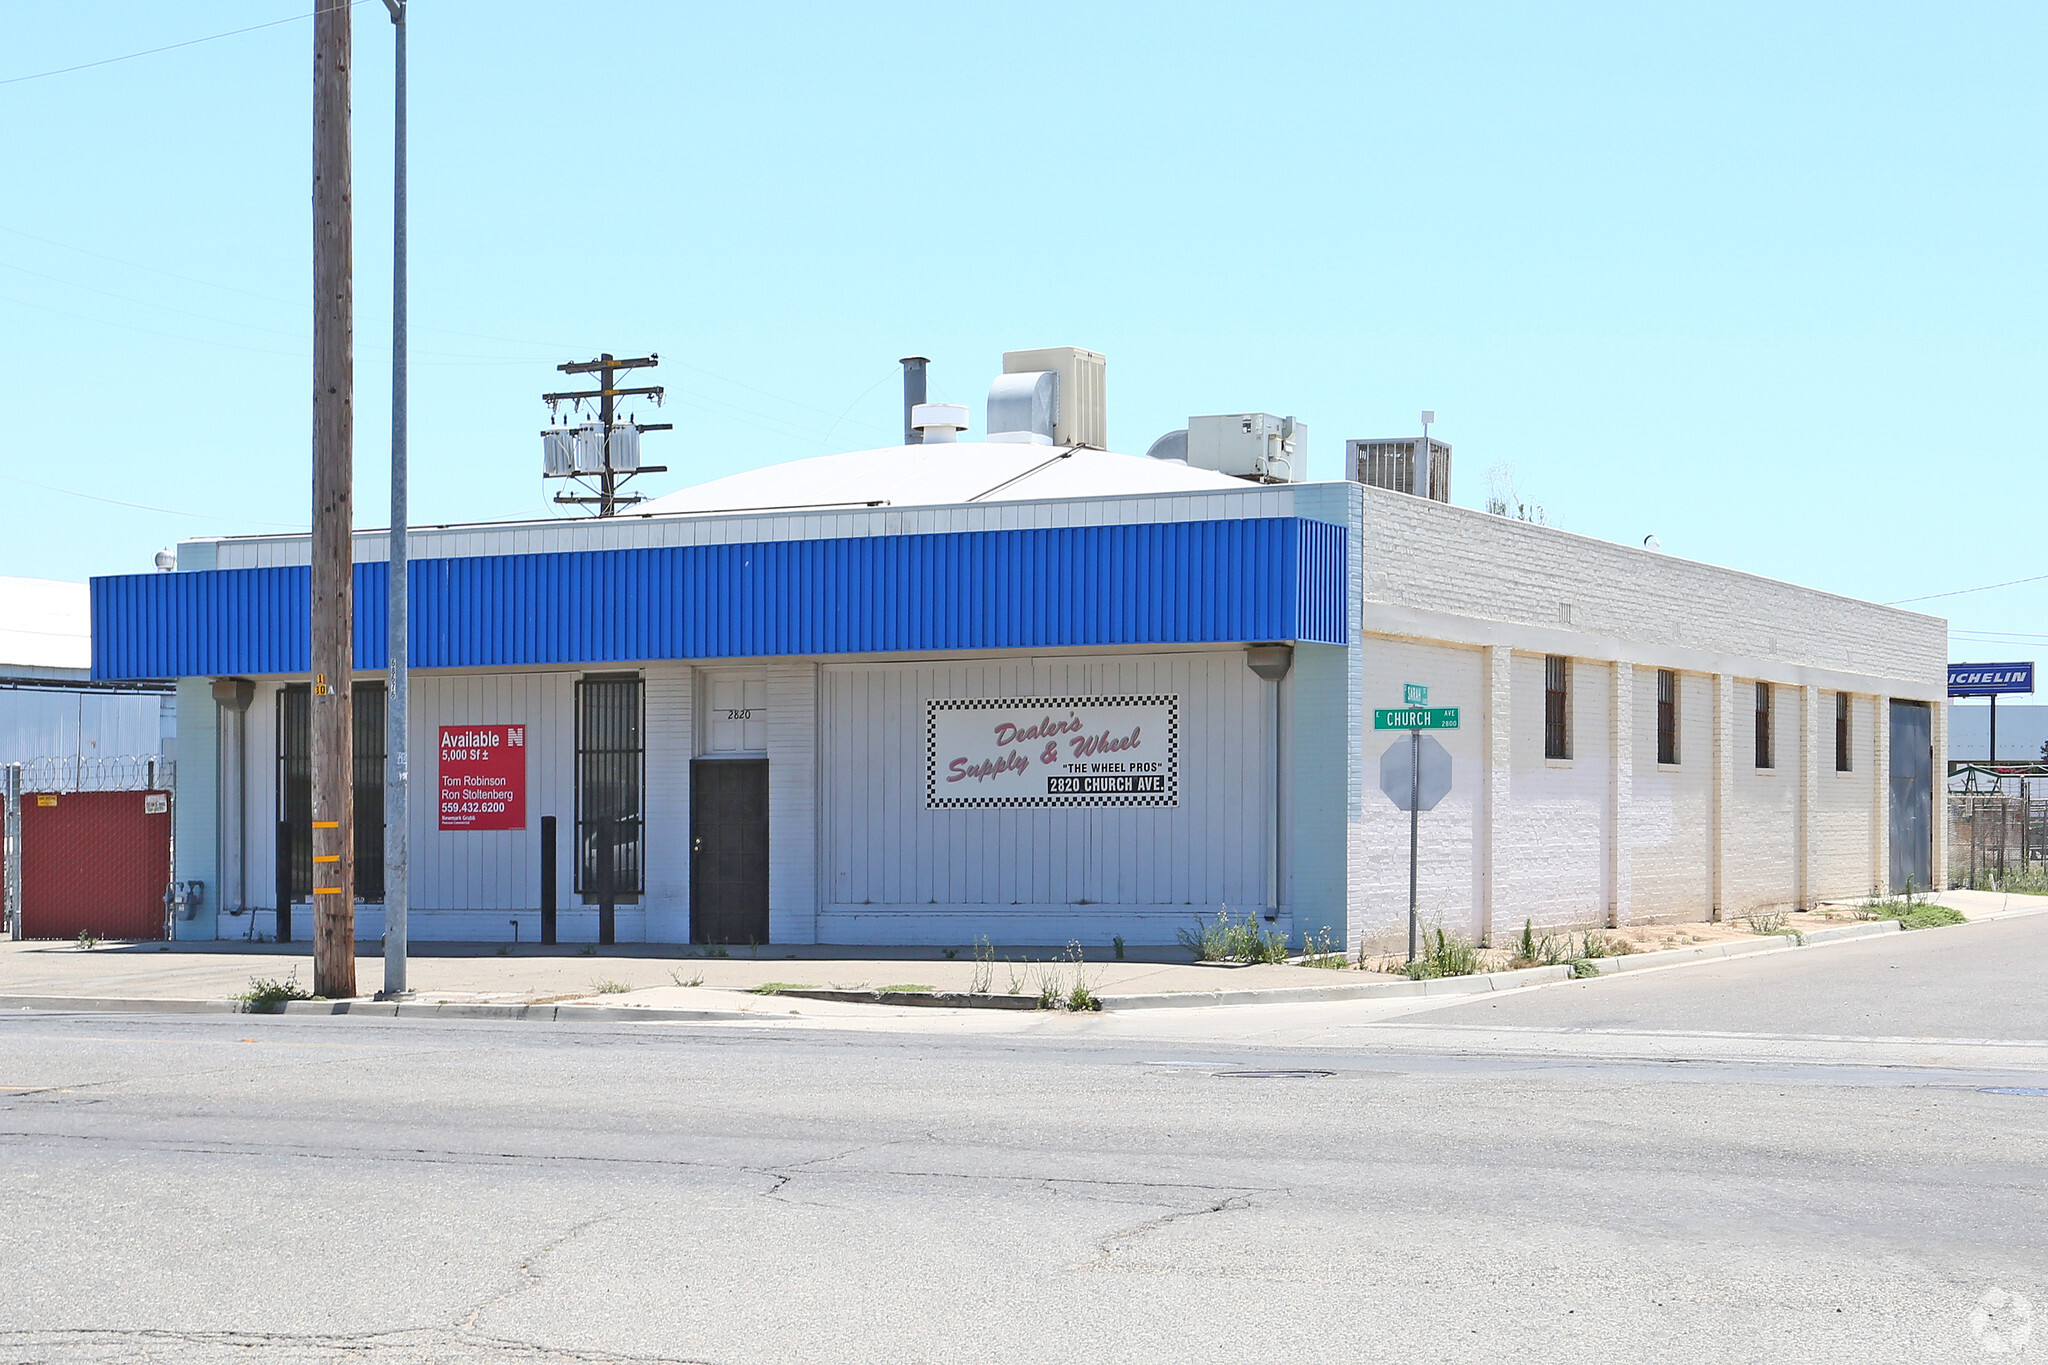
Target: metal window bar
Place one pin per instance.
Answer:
(295, 784)
(1763, 725)
(1843, 759)
(1557, 734)
(1667, 716)
(611, 765)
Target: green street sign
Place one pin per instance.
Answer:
(1415, 718)
(1414, 694)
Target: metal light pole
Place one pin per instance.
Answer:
(396, 745)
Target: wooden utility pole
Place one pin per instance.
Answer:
(333, 652)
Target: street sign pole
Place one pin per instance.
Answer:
(1414, 819)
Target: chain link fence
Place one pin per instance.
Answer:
(86, 851)
(1998, 842)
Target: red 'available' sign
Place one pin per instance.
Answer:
(483, 777)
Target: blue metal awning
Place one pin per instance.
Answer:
(1275, 578)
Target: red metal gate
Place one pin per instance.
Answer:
(94, 863)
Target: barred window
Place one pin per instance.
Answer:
(611, 753)
(1557, 711)
(1667, 716)
(1842, 761)
(1763, 725)
(295, 784)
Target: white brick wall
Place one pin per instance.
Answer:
(1423, 559)
(1671, 820)
(1761, 827)
(1450, 872)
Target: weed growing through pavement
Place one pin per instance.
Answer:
(266, 993)
(907, 989)
(1911, 914)
(984, 979)
(1225, 939)
(87, 941)
(1320, 950)
(716, 950)
(949, 953)
(1578, 949)
(608, 987)
(1055, 992)
(778, 987)
(1118, 944)
(590, 950)
(1766, 921)
(681, 980)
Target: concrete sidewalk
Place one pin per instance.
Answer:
(674, 981)
(495, 973)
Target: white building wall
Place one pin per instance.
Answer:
(1672, 805)
(671, 741)
(1552, 869)
(793, 802)
(1449, 870)
(1762, 825)
(1841, 865)
(896, 872)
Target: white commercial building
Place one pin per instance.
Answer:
(1035, 691)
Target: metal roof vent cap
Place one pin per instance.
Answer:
(1172, 447)
(1024, 408)
(939, 423)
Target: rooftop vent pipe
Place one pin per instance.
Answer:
(914, 367)
(937, 423)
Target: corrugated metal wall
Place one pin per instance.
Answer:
(887, 857)
(1169, 582)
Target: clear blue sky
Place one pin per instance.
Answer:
(1766, 281)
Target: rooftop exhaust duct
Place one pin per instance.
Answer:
(1080, 396)
(1024, 408)
(914, 367)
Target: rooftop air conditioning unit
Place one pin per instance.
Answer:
(1080, 394)
(1249, 445)
(1393, 464)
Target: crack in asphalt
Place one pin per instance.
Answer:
(528, 1276)
(1122, 1241)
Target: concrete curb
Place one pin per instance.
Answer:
(377, 1009)
(1284, 995)
(948, 1000)
(1365, 990)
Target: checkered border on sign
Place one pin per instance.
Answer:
(934, 705)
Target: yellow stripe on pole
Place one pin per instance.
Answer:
(327, 891)
(326, 857)
(327, 824)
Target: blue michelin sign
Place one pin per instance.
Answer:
(1989, 680)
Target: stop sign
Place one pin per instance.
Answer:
(1398, 779)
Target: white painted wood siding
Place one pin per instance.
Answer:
(893, 867)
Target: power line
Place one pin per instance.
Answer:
(2010, 582)
(146, 507)
(172, 47)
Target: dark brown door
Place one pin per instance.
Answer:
(729, 850)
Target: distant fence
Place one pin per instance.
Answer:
(1993, 837)
(110, 773)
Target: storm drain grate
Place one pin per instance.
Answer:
(1300, 1075)
(2012, 1089)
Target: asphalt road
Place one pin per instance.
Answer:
(1786, 1157)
